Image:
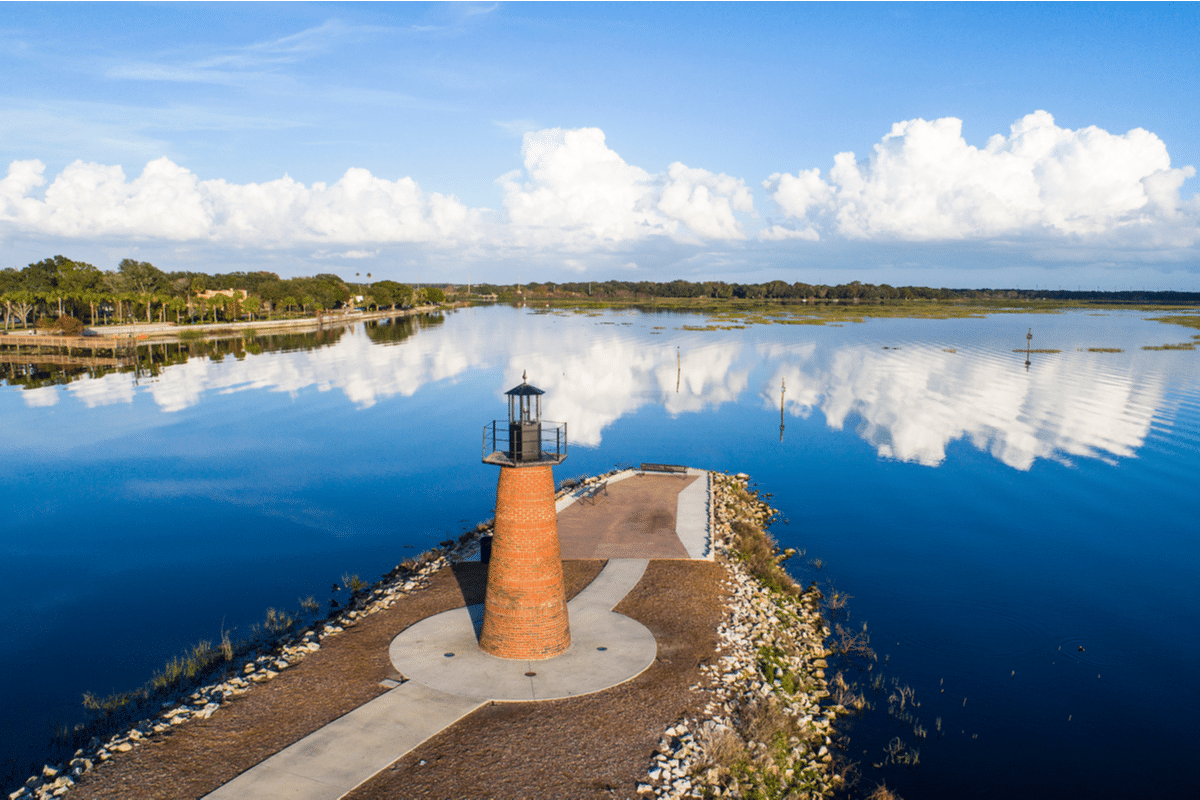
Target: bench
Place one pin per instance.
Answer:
(592, 491)
(677, 469)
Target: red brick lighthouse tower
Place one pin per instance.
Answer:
(525, 613)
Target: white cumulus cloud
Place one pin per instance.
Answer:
(924, 182)
(168, 201)
(579, 193)
(1050, 188)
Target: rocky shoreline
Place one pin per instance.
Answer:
(767, 722)
(766, 730)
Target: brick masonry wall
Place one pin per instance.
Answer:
(525, 613)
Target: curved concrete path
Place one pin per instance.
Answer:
(442, 652)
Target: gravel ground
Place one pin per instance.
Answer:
(197, 757)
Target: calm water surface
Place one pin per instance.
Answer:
(989, 520)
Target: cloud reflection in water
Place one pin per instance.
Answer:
(911, 403)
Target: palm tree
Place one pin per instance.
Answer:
(250, 304)
(24, 301)
(201, 304)
(177, 304)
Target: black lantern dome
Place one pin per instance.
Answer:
(530, 440)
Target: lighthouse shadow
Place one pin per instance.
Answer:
(471, 577)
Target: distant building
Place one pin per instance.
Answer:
(240, 294)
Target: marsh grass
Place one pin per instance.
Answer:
(1180, 346)
(1104, 350)
(853, 643)
(226, 645)
(190, 335)
(1040, 350)
(847, 694)
(836, 601)
(195, 664)
(882, 792)
(354, 583)
(181, 669)
(186, 667)
(1187, 320)
(278, 621)
(822, 311)
(900, 753)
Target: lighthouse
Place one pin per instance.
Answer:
(525, 610)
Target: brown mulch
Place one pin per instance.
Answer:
(599, 745)
(195, 758)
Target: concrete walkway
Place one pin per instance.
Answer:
(349, 751)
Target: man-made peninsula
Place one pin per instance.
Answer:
(734, 704)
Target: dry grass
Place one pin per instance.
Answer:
(851, 643)
(836, 601)
(846, 694)
(722, 749)
(881, 792)
(760, 554)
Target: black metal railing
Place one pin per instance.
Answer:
(501, 447)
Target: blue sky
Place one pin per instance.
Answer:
(993, 145)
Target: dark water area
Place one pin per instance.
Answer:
(987, 519)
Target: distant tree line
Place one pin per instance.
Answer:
(57, 290)
(853, 292)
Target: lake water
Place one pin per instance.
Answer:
(989, 519)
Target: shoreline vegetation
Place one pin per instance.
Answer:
(768, 724)
(767, 730)
(33, 361)
(63, 295)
